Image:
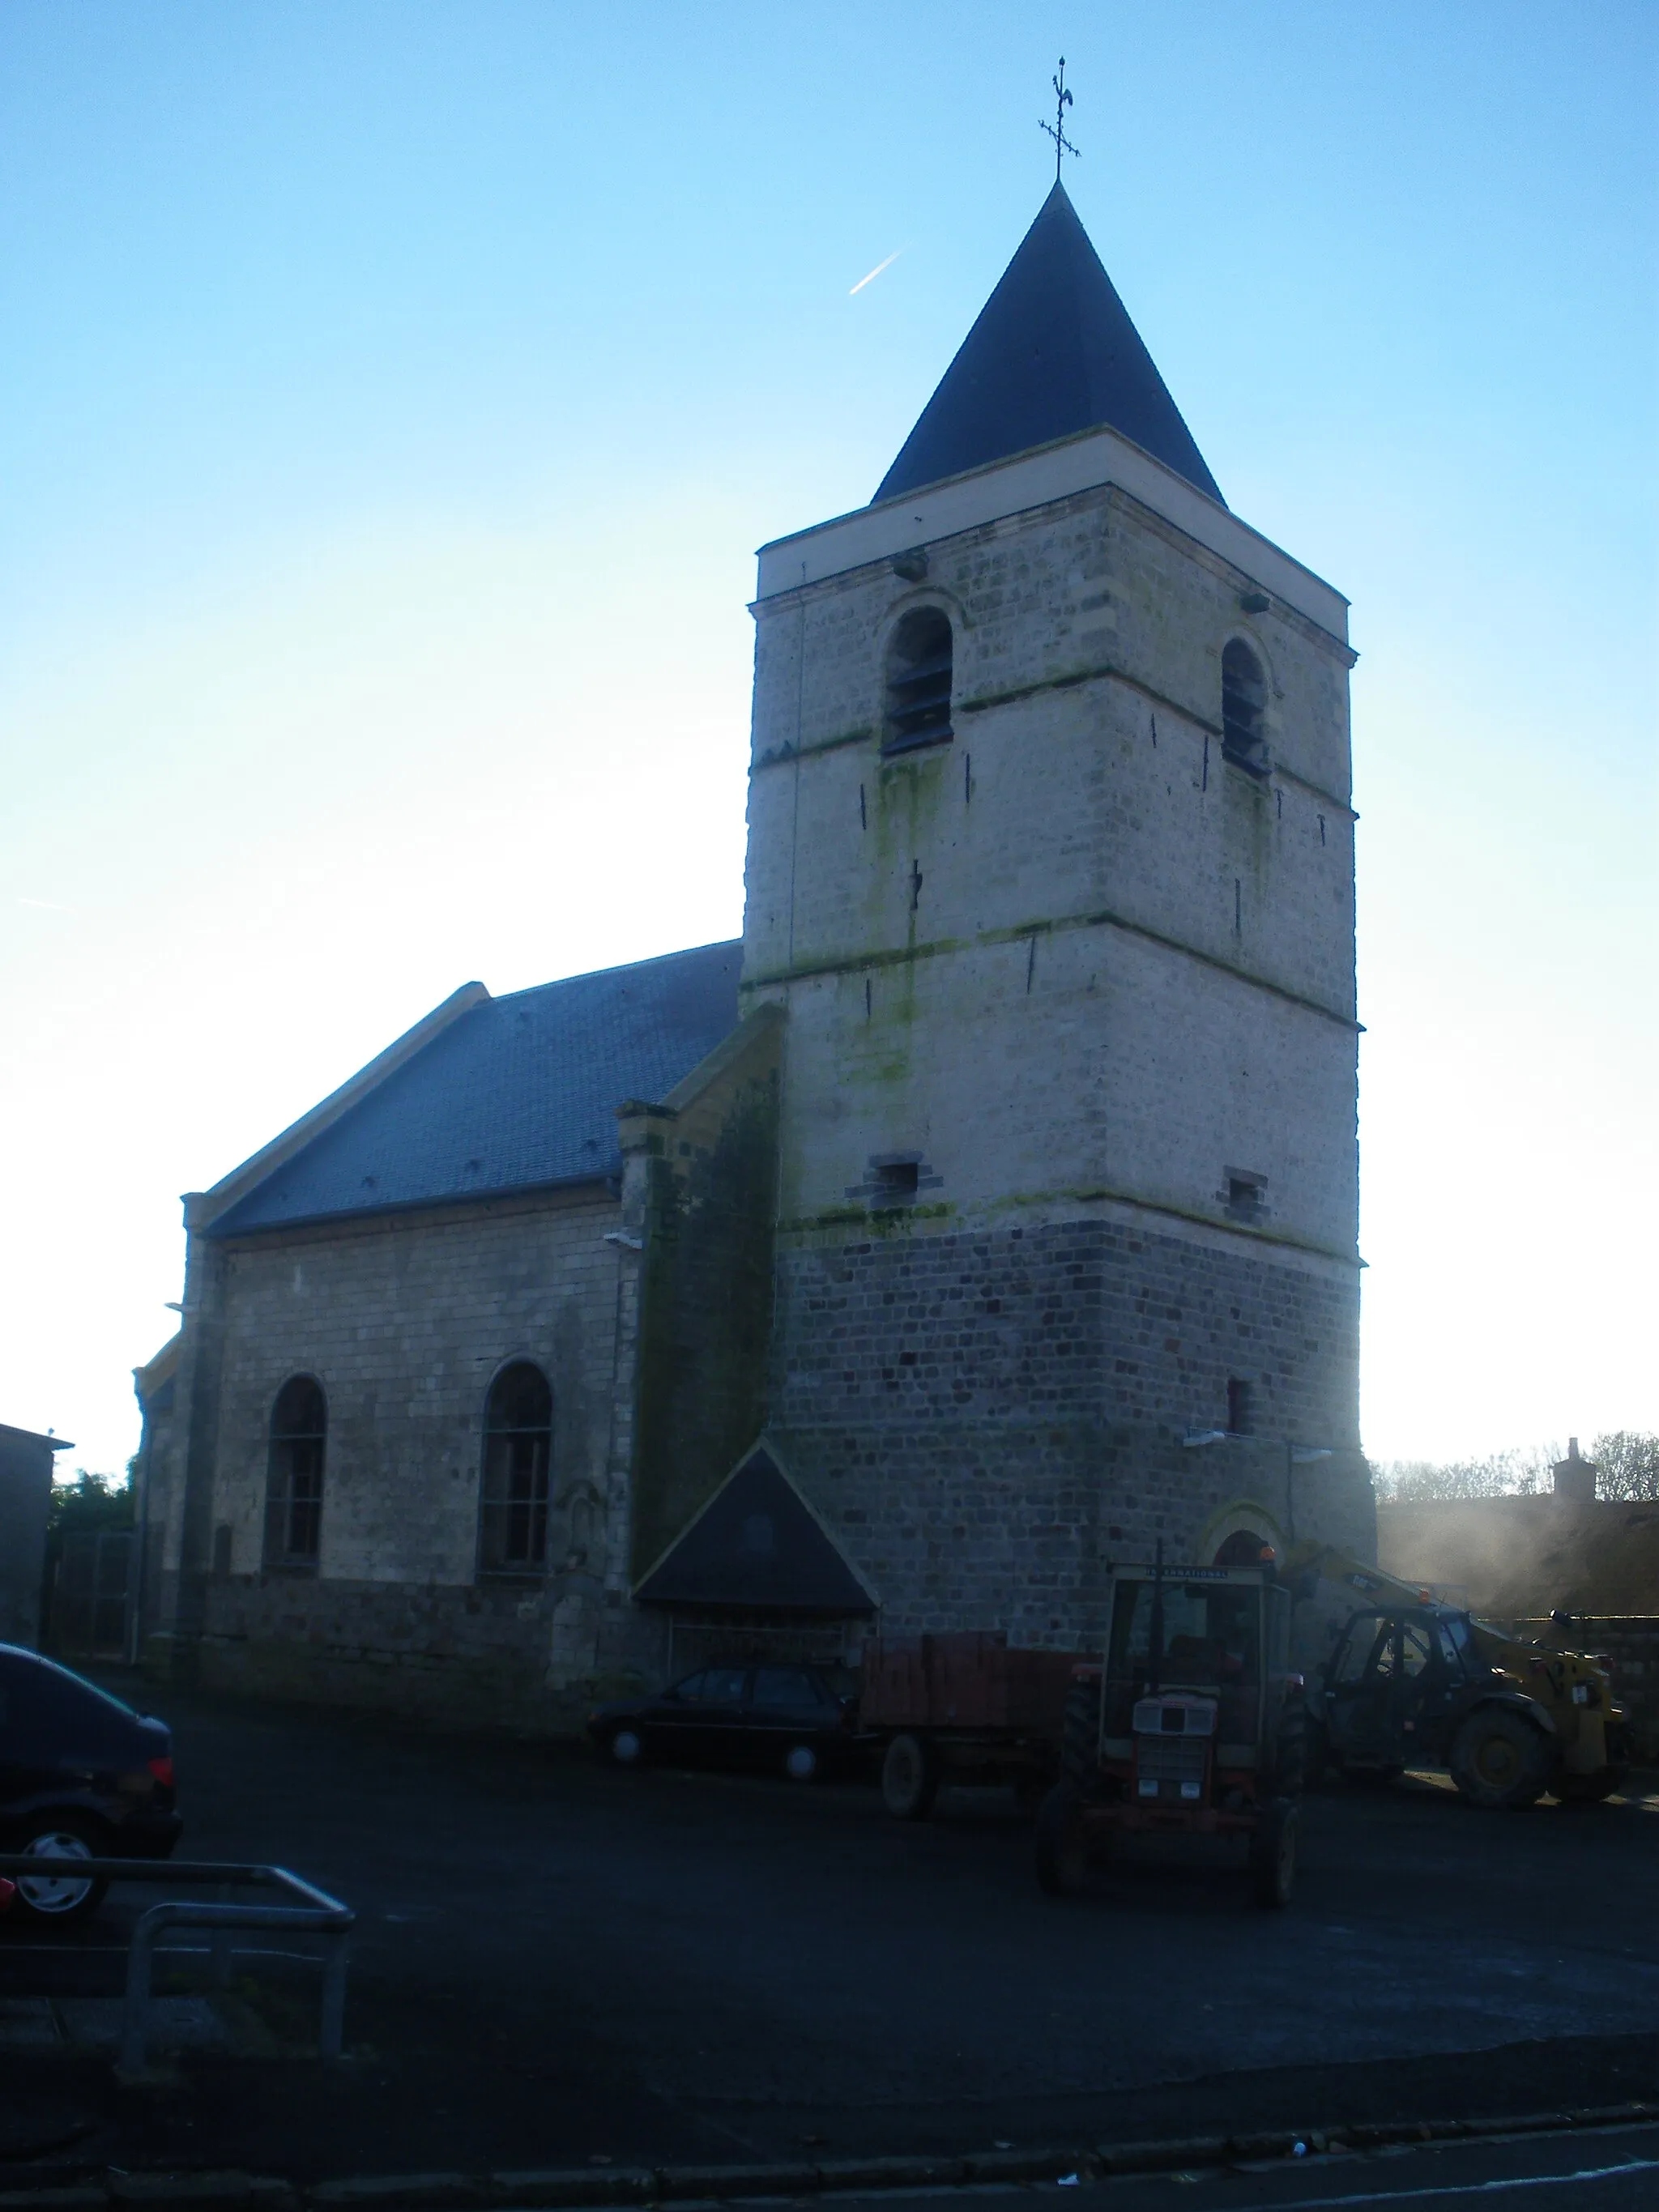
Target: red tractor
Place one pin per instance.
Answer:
(1194, 1725)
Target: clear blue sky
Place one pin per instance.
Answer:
(390, 400)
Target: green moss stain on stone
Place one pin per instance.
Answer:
(706, 1315)
(907, 796)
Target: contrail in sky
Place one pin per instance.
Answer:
(875, 272)
(47, 906)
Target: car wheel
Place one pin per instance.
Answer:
(1272, 1853)
(58, 1901)
(1499, 1760)
(801, 1763)
(628, 1746)
(909, 1778)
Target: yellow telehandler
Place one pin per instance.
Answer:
(1396, 1680)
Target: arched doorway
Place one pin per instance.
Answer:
(1243, 1548)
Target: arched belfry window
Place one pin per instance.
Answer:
(1243, 707)
(293, 1480)
(919, 666)
(518, 1449)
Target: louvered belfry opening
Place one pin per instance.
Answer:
(919, 667)
(1243, 704)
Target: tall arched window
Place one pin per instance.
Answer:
(518, 1449)
(1243, 707)
(919, 682)
(294, 1481)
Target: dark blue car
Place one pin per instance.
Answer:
(81, 1775)
(782, 1717)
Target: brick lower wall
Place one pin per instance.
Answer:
(987, 1418)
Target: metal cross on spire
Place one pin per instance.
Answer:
(1056, 129)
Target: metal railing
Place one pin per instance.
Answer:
(316, 1914)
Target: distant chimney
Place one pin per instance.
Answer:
(1575, 1478)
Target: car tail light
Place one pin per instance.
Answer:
(163, 1770)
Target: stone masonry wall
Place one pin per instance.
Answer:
(985, 1418)
(1072, 951)
(709, 1172)
(404, 1321)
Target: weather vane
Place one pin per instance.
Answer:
(1056, 129)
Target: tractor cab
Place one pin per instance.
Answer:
(1199, 1641)
(1396, 1685)
(1195, 1723)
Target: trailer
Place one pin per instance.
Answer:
(964, 1707)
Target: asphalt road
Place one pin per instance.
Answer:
(1613, 2170)
(558, 1962)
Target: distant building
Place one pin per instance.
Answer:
(26, 1464)
(1575, 1478)
(1523, 1557)
(928, 1232)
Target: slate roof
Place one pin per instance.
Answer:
(756, 1546)
(1054, 352)
(518, 1093)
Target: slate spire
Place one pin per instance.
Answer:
(1053, 352)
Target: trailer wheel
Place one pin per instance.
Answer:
(1272, 1853)
(1499, 1760)
(909, 1778)
(1062, 1848)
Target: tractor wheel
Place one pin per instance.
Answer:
(1062, 1848)
(909, 1778)
(1590, 1788)
(1499, 1760)
(1272, 1853)
(1291, 1762)
(1318, 1760)
(1079, 1742)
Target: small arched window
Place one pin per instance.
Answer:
(518, 1449)
(919, 666)
(1243, 707)
(294, 1481)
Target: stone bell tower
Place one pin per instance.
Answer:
(1051, 870)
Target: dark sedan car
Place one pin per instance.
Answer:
(81, 1775)
(784, 1718)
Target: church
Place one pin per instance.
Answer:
(987, 1213)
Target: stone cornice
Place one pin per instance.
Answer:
(903, 955)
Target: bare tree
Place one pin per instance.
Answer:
(1627, 1464)
(1516, 1474)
